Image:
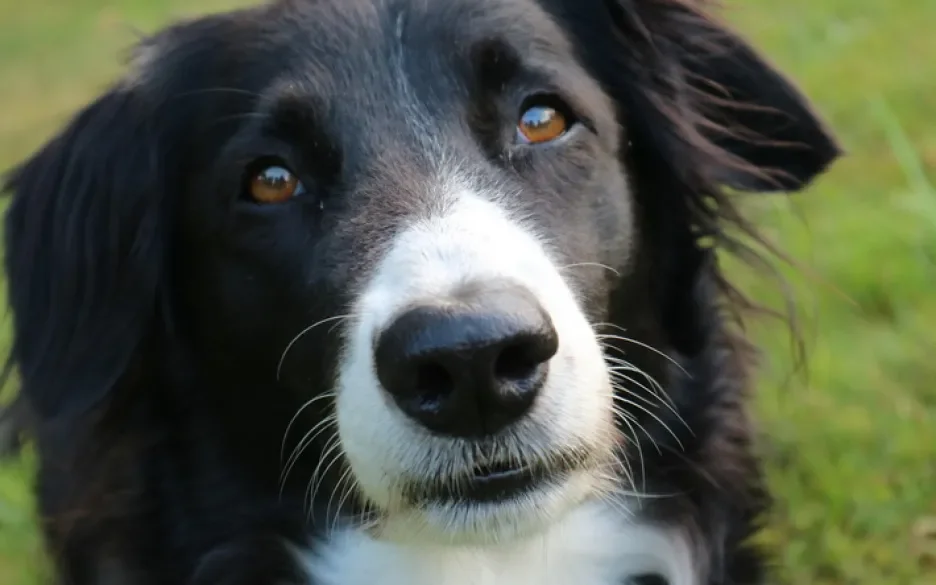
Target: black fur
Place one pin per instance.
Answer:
(150, 306)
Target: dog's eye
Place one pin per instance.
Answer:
(274, 184)
(542, 122)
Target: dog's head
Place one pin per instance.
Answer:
(416, 220)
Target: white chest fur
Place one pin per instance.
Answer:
(593, 545)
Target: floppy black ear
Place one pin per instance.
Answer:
(753, 110)
(84, 253)
(711, 81)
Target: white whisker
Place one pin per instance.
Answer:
(352, 488)
(631, 419)
(667, 403)
(289, 346)
(345, 475)
(332, 446)
(620, 361)
(623, 399)
(303, 444)
(610, 269)
(637, 343)
(618, 372)
(618, 491)
(658, 391)
(630, 422)
(296, 416)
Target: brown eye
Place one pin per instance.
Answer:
(540, 124)
(274, 184)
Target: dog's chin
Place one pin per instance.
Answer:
(492, 510)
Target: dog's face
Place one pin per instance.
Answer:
(427, 213)
(409, 218)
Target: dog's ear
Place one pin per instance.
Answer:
(85, 240)
(749, 108)
(686, 79)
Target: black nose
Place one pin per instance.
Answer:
(469, 366)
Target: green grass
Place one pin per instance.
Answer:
(852, 447)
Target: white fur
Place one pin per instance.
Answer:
(471, 239)
(594, 545)
(560, 533)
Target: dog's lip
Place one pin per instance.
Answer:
(491, 482)
(502, 481)
(497, 469)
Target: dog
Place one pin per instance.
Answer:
(404, 292)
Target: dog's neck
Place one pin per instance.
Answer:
(596, 544)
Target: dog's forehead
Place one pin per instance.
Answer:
(455, 21)
(353, 38)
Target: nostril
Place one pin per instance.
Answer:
(517, 362)
(433, 383)
(524, 356)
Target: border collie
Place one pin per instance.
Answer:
(403, 292)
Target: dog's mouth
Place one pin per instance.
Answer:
(496, 481)
(502, 481)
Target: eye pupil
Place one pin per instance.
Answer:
(273, 184)
(541, 124)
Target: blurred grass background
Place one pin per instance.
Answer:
(852, 446)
